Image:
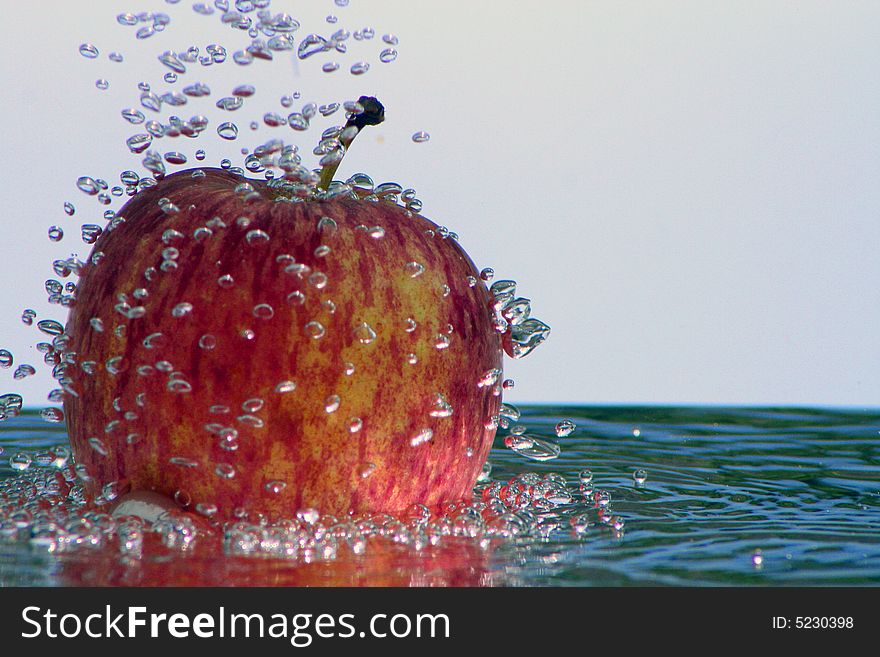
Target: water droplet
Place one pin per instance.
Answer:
(182, 498)
(207, 342)
(532, 447)
(421, 437)
(366, 469)
(355, 424)
(359, 68)
(285, 386)
(412, 359)
(318, 280)
(182, 309)
(308, 516)
(364, 334)
(585, 476)
(23, 371)
(50, 327)
(226, 281)
(525, 337)
(441, 341)
(20, 462)
(312, 45)
(410, 325)
(88, 51)
(206, 509)
(251, 421)
(636, 432)
(263, 311)
(331, 404)
(420, 137)
(565, 428)
(388, 55)
(487, 274)
(98, 445)
(640, 477)
(178, 386)
(414, 269)
(224, 470)
(183, 462)
(227, 130)
(376, 232)
(230, 103)
(6, 358)
(87, 185)
(257, 237)
(296, 298)
(155, 341)
(322, 251)
(102, 84)
(275, 487)
(440, 407)
(171, 61)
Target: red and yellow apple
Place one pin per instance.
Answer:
(239, 350)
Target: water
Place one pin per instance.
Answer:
(706, 496)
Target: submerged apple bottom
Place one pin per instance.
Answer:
(240, 352)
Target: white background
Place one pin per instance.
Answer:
(688, 191)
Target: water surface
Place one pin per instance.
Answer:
(733, 496)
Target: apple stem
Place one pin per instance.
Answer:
(373, 114)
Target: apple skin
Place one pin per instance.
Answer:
(130, 430)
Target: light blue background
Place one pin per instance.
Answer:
(688, 191)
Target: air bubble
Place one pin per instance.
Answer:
(88, 50)
(565, 428)
(275, 487)
(285, 386)
(331, 404)
(421, 437)
(263, 311)
(414, 269)
(359, 68)
(227, 130)
(20, 462)
(256, 237)
(440, 407)
(532, 447)
(364, 334)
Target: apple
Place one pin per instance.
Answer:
(244, 350)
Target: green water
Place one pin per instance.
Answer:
(733, 496)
